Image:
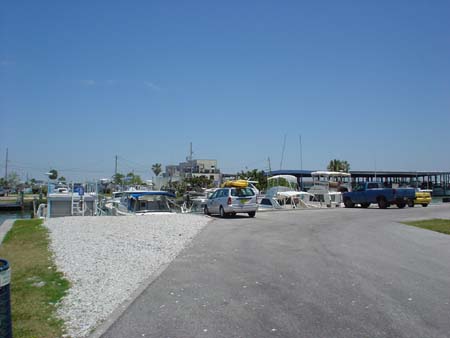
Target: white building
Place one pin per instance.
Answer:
(195, 168)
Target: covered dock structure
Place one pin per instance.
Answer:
(438, 181)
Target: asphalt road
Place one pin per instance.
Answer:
(310, 273)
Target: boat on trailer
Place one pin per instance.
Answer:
(143, 202)
(328, 187)
(74, 199)
(283, 193)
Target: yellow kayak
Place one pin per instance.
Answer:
(235, 184)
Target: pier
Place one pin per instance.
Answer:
(437, 181)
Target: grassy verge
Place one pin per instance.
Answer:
(439, 225)
(36, 285)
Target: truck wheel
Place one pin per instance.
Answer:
(348, 203)
(424, 205)
(411, 203)
(401, 205)
(382, 203)
(365, 205)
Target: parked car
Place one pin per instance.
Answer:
(2, 192)
(422, 197)
(374, 192)
(230, 201)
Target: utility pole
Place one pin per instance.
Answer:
(6, 167)
(190, 158)
(115, 169)
(270, 168)
(375, 166)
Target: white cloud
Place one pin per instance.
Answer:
(152, 86)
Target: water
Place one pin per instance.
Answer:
(436, 200)
(4, 215)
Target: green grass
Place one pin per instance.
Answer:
(36, 285)
(436, 224)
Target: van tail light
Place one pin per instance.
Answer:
(229, 202)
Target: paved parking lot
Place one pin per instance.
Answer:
(310, 273)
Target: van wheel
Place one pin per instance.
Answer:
(252, 214)
(222, 212)
(382, 203)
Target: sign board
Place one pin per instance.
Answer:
(5, 278)
(81, 191)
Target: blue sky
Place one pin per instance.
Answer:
(363, 81)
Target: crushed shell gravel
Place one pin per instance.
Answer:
(106, 259)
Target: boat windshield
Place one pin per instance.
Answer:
(152, 203)
(331, 179)
(282, 180)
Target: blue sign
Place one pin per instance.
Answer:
(81, 191)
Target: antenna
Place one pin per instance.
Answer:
(190, 152)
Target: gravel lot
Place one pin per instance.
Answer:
(106, 259)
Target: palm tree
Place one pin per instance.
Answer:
(118, 178)
(156, 168)
(53, 174)
(345, 166)
(338, 165)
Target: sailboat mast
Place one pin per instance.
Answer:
(282, 152)
(301, 152)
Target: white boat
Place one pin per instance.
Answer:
(71, 200)
(283, 193)
(328, 187)
(196, 202)
(143, 202)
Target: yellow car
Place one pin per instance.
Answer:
(422, 197)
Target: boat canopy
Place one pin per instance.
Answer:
(294, 193)
(136, 195)
(289, 178)
(330, 173)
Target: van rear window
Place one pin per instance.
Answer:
(242, 192)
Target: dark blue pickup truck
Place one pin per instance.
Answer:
(374, 192)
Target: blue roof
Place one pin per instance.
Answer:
(291, 172)
(145, 193)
